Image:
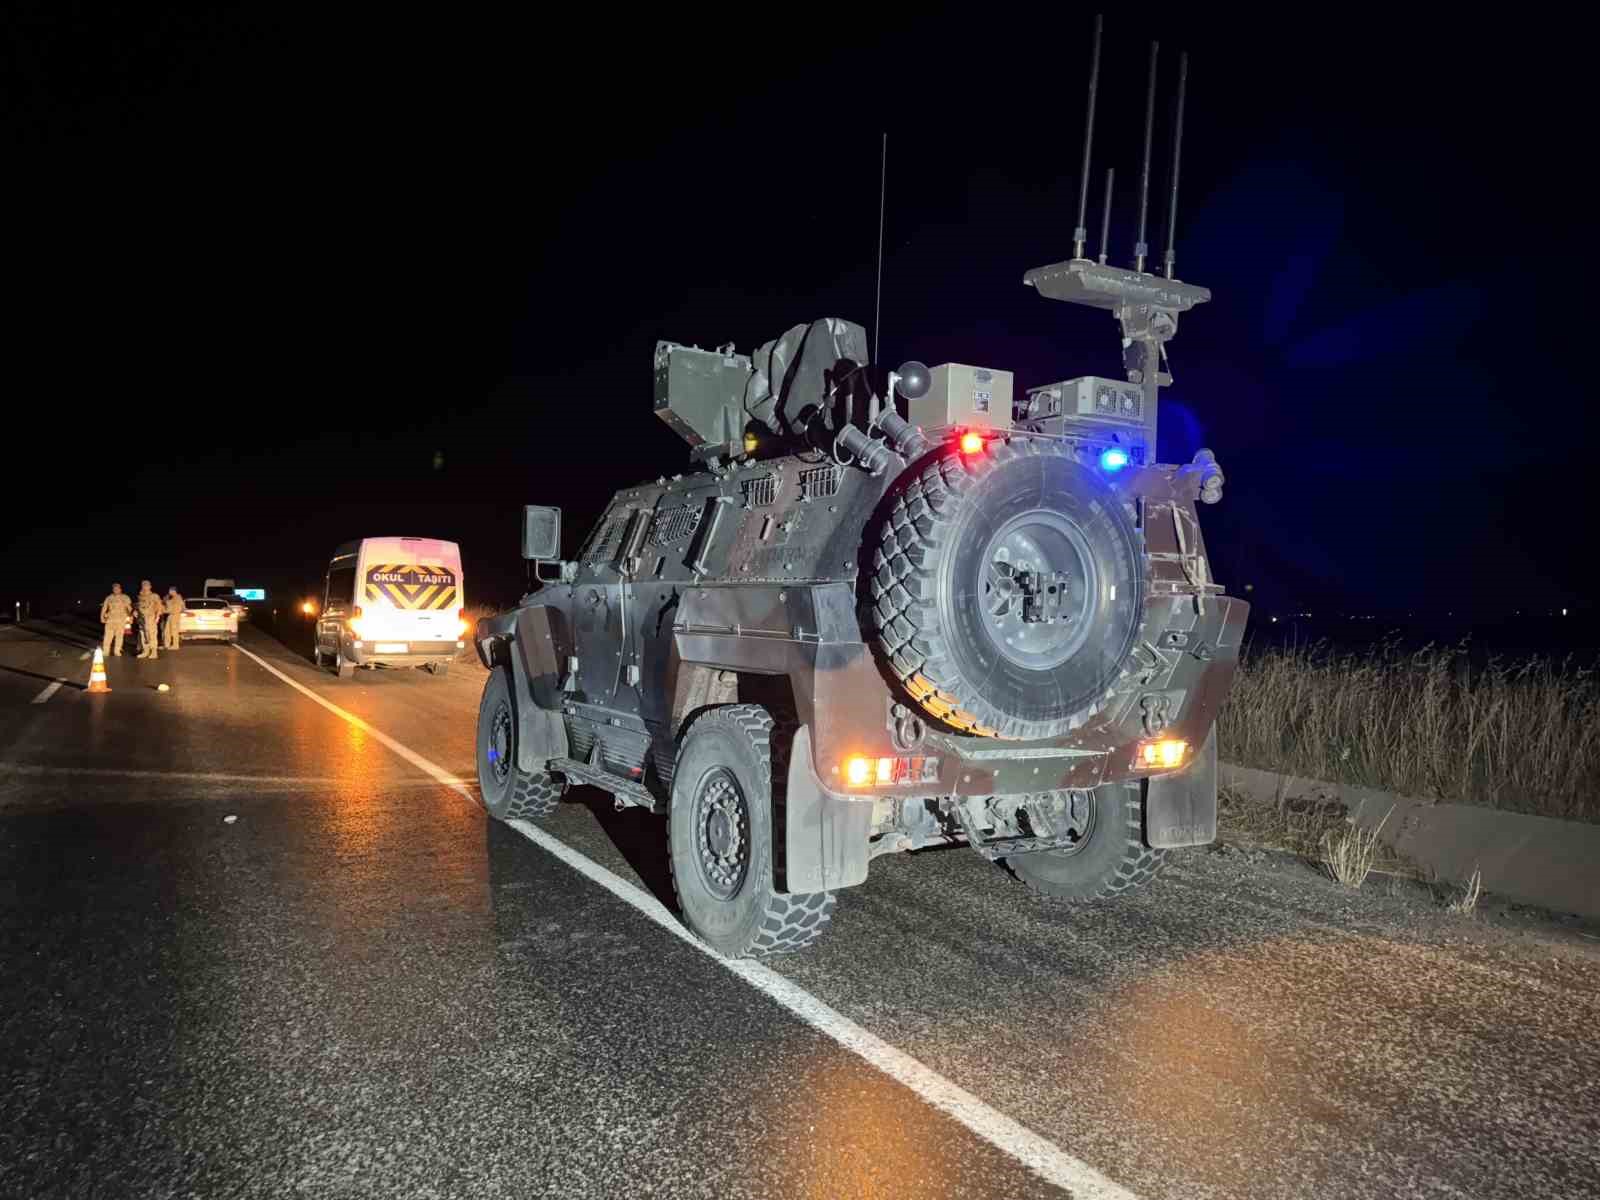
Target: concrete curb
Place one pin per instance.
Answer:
(1532, 860)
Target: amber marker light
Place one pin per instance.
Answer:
(309, 609)
(1163, 755)
(858, 770)
(972, 443)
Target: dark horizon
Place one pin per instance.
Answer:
(278, 287)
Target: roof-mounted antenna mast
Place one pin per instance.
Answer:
(1177, 152)
(1105, 217)
(883, 193)
(1146, 306)
(1141, 248)
(1080, 234)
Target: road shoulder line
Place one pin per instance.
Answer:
(1034, 1151)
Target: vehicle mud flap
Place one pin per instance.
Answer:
(1181, 810)
(822, 838)
(541, 736)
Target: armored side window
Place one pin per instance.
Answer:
(673, 524)
(605, 533)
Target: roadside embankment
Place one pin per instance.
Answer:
(1536, 860)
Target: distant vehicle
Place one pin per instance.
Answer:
(392, 602)
(225, 589)
(205, 617)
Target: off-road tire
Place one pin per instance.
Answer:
(1114, 861)
(756, 920)
(929, 625)
(512, 794)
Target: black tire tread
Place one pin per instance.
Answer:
(789, 921)
(1139, 864)
(534, 797)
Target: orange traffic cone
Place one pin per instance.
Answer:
(97, 673)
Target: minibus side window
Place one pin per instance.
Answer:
(341, 587)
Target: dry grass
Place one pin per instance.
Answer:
(1349, 853)
(1467, 901)
(1429, 723)
(1297, 826)
(1301, 826)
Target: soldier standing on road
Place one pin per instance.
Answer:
(174, 611)
(149, 614)
(114, 612)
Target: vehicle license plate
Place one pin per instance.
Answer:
(391, 647)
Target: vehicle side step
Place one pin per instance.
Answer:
(627, 791)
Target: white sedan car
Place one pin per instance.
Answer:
(208, 618)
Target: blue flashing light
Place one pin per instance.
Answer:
(1113, 459)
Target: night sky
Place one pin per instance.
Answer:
(276, 283)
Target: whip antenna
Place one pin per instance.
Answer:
(1177, 150)
(877, 303)
(1105, 217)
(1141, 248)
(1080, 234)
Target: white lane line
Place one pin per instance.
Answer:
(405, 752)
(293, 781)
(50, 689)
(1039, 1154)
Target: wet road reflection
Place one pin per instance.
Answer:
(367, 989)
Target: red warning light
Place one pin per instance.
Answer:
(971, 443)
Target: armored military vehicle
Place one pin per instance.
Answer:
(854, 629)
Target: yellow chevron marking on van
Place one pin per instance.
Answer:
(413, 587)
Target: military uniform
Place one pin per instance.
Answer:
(114, 612)
(149, 614)
(174, 611)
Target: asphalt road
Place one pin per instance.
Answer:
(361, 986)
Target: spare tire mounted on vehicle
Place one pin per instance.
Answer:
(1008, 589)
